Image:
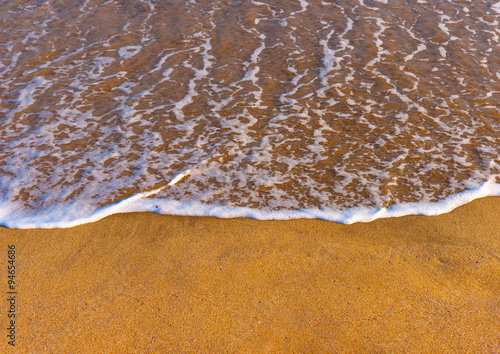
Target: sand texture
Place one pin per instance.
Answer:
(145, 283)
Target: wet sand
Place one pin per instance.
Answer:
(155, 284)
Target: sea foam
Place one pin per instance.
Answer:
(71, 215)
(344, 111)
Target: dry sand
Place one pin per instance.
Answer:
(144, 283)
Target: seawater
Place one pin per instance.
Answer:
(340, 110)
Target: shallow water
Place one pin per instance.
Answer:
(277, 106)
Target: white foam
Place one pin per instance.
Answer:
(246, 130)
(70, 215)
(496, 7)
(303, 5)
(129, 51)
(199, 74)
(420, 48)
(442, 51)
(26, 95)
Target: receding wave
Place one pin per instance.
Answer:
(340, 110)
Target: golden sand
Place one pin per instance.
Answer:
(144, 283)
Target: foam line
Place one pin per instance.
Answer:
(64, 218)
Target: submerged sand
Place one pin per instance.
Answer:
(272, 105)
(155, 284)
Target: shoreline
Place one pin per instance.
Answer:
(147, 282)
(139, 203)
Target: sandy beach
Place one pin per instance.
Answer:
(146, 283)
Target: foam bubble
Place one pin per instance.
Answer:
(129, 51)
